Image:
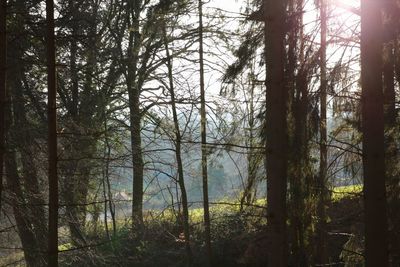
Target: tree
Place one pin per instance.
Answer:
(3, 74)
(84, 89)
(376, 250)
(390, 84)
(300, 65)
(134, 10)
(138, 63)
(52, 136)
(207, 228)
(321, 253)
(178, 154)
(276, 130)
(22, 124)
(254, 157)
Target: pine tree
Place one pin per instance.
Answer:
(52, 136)
(276, 131)
(376, 250)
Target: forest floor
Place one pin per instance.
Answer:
(238, 237)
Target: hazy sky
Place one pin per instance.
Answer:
(229, 5)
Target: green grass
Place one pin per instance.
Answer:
(65, 247)
(218, 210)
(346, 191)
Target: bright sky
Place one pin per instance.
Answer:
(339, 16)
(228, 5)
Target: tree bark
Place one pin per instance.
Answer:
(276, 141)
(376, 249)
(24, 217)
(3, 71)
(52, 137)
(321, 253)
(389, 85)
(23, 178)
(252, 157)
(133, 13)
(390, 53)
(207, 226)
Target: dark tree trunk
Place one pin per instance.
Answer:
(24, 143)
(277, 140)
(376, 250)
(83, 108)
(23, 179)
(3, 71)
(204, 171)
(298, 174)
(321, 253)
(133, 13)
(52, 137)
(390, 54)
(389, 93)
(34, 254)
(137, 160)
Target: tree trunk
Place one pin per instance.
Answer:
(181, 180)
(298, 175)
(376, 250)
(137, 161)
(3, 71)
(276, 141)
(389, 93)
(34, 256)
(391, 131)
(296, 135)
(52, 137)
(23, 178)
(83, 108)
(133, 13)
(321, 253)
(207, 226)
(252, 157)
(106, 180)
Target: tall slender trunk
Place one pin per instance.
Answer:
(73, 59)
(52, 137)
(3, 70)
(107, 179)
(133, 13)
(248, 195)
(298, 175)
(137, 161)
(178, 142)
(71, 182)
(207, 226)
(390, 117)
(295, 173)
(298, 159)
(376, 249)
(321, 253)
(389, 102)
(276, 141)
(389, 93)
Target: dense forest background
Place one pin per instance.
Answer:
(199, 133)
